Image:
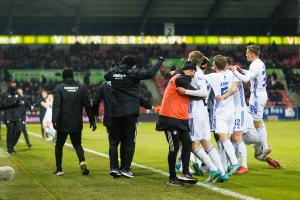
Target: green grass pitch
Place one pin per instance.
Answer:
(34, 180)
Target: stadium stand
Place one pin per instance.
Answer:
(85, 57)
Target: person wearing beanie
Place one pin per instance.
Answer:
(125, 104)
(67, 74)
(10, 103)
(69, 100)
(173, 120)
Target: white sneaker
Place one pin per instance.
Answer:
(58, 173)
(127, 173)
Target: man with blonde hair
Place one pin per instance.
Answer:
(258, 98)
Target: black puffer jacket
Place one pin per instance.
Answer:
(10, 103)
(125, 88)
(69, 100)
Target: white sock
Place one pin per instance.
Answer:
(262, 133)
(235, 146)
(222, 155)
(229, 149)
(215, 157)
(241, 152)
(201, 155)
(251, 137)
(194, 159)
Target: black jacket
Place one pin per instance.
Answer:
(105, 92)
(24, 106)
(69, 100)
(10, 103)
(125, 88)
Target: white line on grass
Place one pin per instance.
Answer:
(207, 186)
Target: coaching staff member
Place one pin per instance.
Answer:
(69, 100)
(104, 93)
(125, 105)
(173, 120)
(10, 101)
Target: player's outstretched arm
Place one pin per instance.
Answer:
(150, 72)
(243, 77)
(201, 92)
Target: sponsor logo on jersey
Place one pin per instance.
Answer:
(119, 76)
(71, 88)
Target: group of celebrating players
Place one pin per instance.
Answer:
(199, 100)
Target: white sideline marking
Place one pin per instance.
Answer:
(207, 186)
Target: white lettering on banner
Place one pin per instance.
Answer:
(58, 39)
(289, 112)
(276, 110)
(266, 111)
(71, 40)
(292, 40)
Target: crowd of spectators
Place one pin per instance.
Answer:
(292, 80)
(82, 57)
(32, 88)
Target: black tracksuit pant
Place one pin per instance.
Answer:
(122, 149)
(13, 134)
(76, 142)
(123, 130)
(24, 131)
(174, 137)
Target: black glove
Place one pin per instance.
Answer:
(161, 59)
(93, 126)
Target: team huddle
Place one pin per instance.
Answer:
(198, 101)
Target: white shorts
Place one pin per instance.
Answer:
(47, 119)
(257, 106)
(251, 136)
(199, 128)
(240, 123)
(224, 124)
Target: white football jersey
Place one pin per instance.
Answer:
(258, 77)
(197, 107)
(220, 83)
(239, 98)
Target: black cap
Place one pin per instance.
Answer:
(189, 66)
(128, 60)
(67, 73)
